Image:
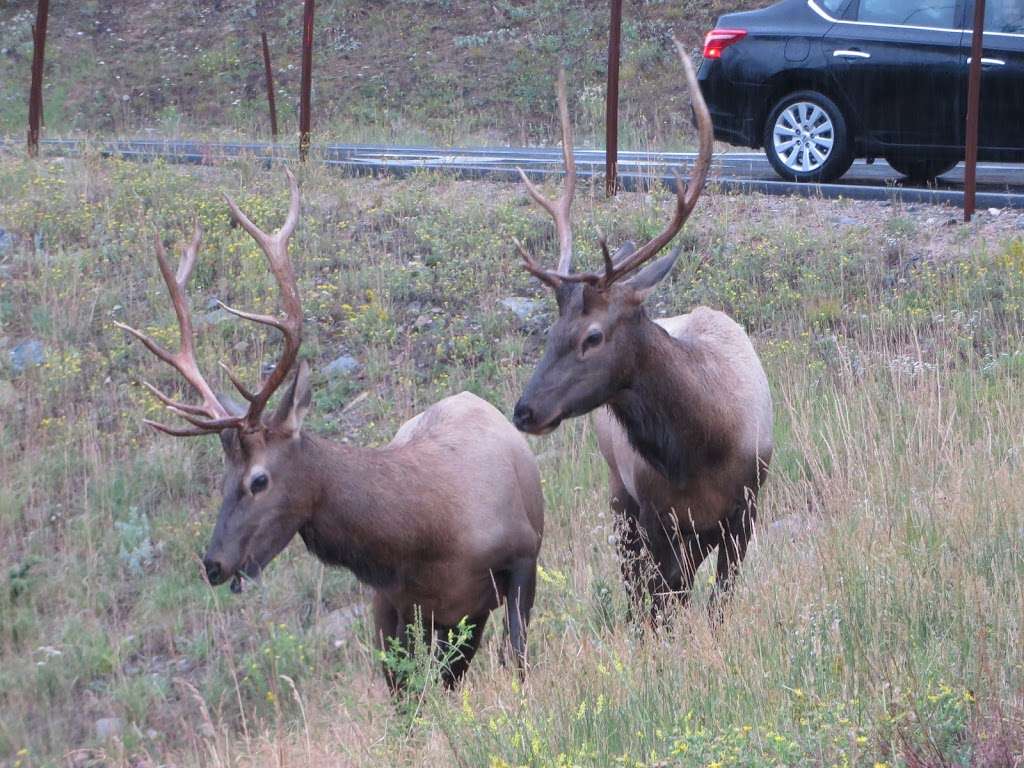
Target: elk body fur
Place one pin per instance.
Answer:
(683, 409)
(444, 523)
(688, 447)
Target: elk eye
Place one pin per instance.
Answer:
(259, 483)
(592, 339)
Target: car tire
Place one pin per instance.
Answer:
(806, 138)
(922, 169)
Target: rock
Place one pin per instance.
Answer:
(1020, 223)
(994, 212)
(423, 321)
(109, 728)
(337, 625)
(216, 317)
(345, 365)
(27, 354)
(6, 240)
(847, 221)
(520, 306)
(212, 303)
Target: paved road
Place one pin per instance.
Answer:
(1000, 185)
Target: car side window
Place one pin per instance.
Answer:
(1004, 16)
(920, 13)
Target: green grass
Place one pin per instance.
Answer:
(883, 631)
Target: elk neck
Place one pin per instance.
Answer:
(668, 408)
(362, 516)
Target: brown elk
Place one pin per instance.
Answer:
(684, 413)
(444, 523)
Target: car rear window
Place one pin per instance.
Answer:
(1004, 16)
(832, 6)
(920, 13)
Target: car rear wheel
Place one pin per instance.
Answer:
(922, 169)
(806, 138)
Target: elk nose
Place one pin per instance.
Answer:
(523, 416)
(214, 571)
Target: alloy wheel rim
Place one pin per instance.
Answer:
(804, 137)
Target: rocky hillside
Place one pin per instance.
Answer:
(401, 70)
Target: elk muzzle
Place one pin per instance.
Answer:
(527, 420)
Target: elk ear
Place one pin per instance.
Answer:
(293, 408)
(229, 437)
(647, 279)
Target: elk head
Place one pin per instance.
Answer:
(592, 348)
(263, 506)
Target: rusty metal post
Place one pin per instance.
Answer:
(35, 92)
(611, 141)
(307, 79)
(270, 86)
(973, 111)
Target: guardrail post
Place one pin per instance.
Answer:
(270, 86)
(973, 110)
(307, 80)
(611, 143)
(35, 92)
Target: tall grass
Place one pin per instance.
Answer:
(877, 619)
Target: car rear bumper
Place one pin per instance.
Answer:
(732, 106)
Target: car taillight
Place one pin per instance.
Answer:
(718, 40)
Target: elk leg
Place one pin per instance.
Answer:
(694, 549)
(736, 533)
(462, 654)
(665, 579)
(386, 622)
(522, 587)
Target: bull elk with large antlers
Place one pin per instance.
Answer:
(445, 521)
(684, 415)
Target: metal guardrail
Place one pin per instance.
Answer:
(638, 170)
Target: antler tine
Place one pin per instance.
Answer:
(178, 431)
(560, 209)
(686, 194)
(275, 247)
(188, 259)
(211, 416)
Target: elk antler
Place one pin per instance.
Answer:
(686, 200)
(560, 209)
(211, 416)
(275, 247)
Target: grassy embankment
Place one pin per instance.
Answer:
(883, 630)
(415, 71)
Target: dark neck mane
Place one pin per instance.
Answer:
(352, 509)
(664, 410)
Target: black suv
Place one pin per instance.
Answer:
(818, 83)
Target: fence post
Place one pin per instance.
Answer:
(611, 143)
(307, 80)
(973, 108)
(35, 93)
(270, 86)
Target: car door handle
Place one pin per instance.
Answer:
(988, 62)
(851, 55)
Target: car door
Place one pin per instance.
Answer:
(1001, 124)
(901, 66)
